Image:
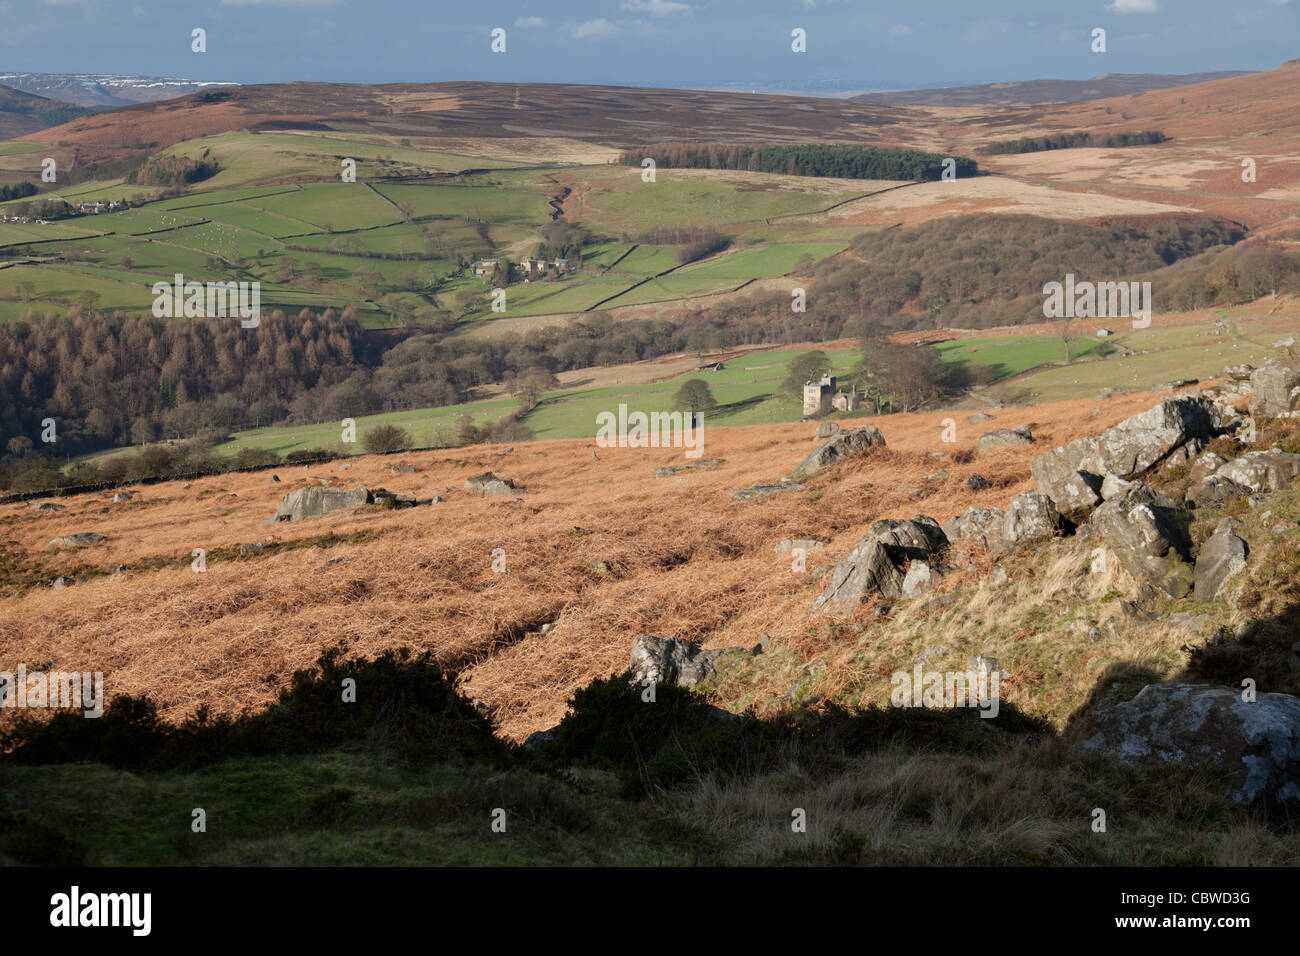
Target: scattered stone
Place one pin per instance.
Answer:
(45, 506)
(601, 567)
(249, 550)
(275, 479)
(122, 496)
(81, 539)
(758, 491)
(939, 475)
(61, 583)
(1005, 438)
(978, 417)
(1255, 744)
(998, 576)
(403, 468)
(977, 482)
(844, 444)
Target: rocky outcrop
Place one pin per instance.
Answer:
(1073, 475)
(852, 441)
(1256, 744)
(668, 660)
(875, 565)
(1274, 390)
(316, 500)
(1223, 556)
(1147, 533)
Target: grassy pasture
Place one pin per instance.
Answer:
(493, 203)
(763, 263)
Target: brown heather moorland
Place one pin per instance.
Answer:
(686, 559)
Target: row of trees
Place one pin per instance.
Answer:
(1073, 140)
(818, 159)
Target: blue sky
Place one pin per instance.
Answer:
(851, 44)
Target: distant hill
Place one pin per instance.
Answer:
(104, 90)
(614, 116)
(22, 113)
(1032, 92)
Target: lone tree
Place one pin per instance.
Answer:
(385, 438)
(694, 396)
(806, 368)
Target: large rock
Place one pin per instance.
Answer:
(488, 484)
(668, 660)
(1142, 440)
(1148, 535)
(851, 441)
(1222, 556)
(1007, 437)
(316, 500)
(1274, 390)
(81, 539)
(1030, 516)
(1256, 744)
(875, 565)
(982, 526)
(1069, 475)
(1262, 470)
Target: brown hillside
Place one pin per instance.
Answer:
(687, 559)
(612, 116)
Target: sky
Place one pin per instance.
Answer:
(850, 44)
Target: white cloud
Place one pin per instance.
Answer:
(600, 29)
(900, 30)
(1133, 6)
(530, 23)
(656, 8)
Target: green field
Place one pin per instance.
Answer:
(414, 236)
(746, 390)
